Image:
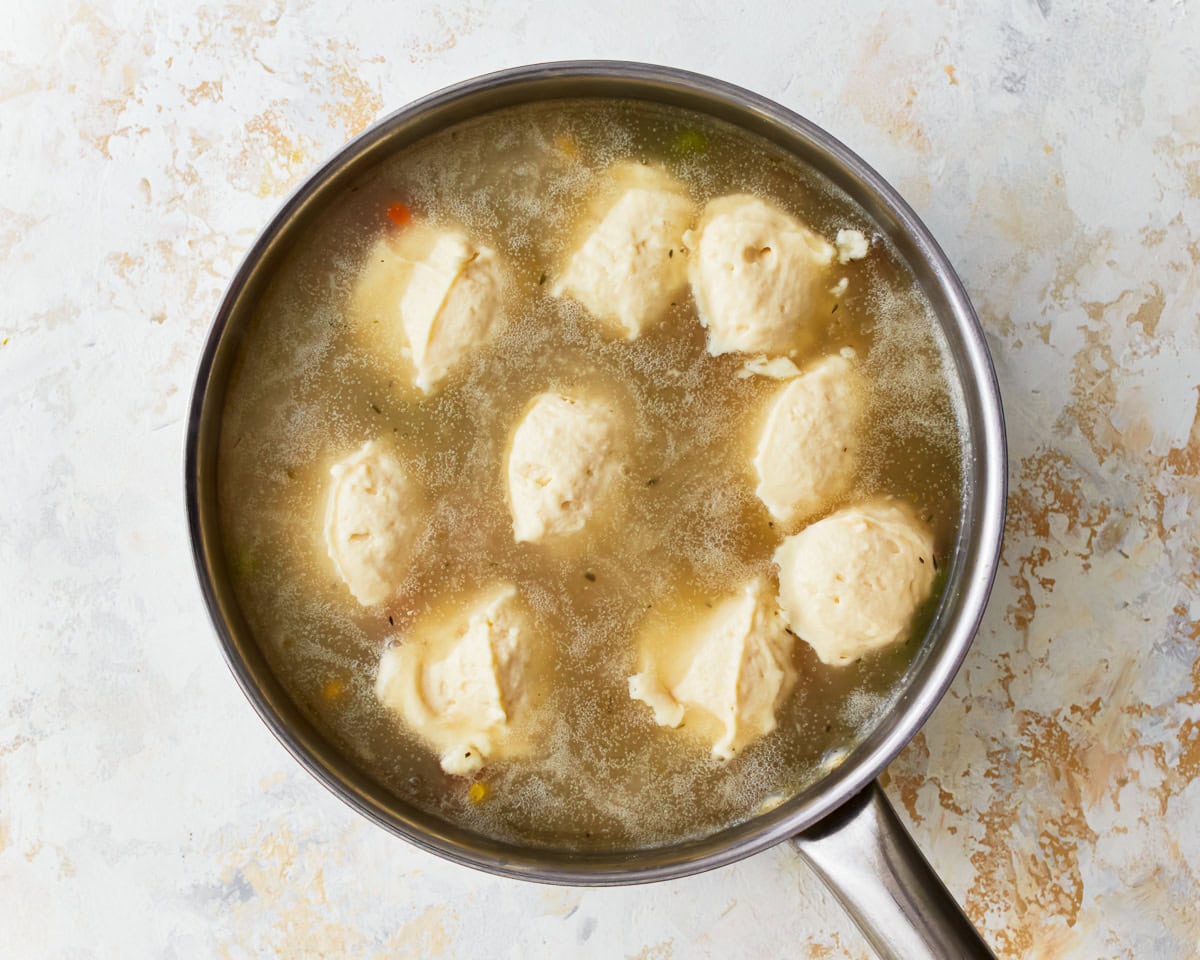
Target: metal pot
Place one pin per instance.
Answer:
(842, 824)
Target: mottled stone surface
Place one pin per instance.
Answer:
(1054, 149)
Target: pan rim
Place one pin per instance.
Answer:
(912, 708)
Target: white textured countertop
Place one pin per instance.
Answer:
(1053, 148)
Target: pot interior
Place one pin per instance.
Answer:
(972, 559)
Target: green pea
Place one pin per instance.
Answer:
(690, 141)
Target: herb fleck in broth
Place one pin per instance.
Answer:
(307, 390)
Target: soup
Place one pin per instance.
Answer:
(687, 530)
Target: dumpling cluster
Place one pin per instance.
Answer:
(464, 677)
(758, 276)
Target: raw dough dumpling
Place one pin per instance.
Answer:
(458, 680)
(850, 584)
(808, 449)
(631, 265)
(729, 674)
(432, 294)
(563, 464)
(758, 276)
(373, 515)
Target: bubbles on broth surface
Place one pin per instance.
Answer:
(306, 392)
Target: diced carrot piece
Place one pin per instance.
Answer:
(334, 689)
(399, 214)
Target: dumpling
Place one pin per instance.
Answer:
(373, 515)
(563, 465)
(728, 675)
(758, 276)
(850, 584)
(460, 680)
(432, 294)
(808, 449)
(631, 265)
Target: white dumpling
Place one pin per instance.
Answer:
(459, 679)
(432, 294)
(758, 276)
(630, 267)
(808, 449)
(563, 465)
(373, 515)
(850, 584)
(728, 675)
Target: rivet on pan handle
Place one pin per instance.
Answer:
(871, 865)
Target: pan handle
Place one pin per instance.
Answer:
(871, 865)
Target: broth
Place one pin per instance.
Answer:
(306, 391)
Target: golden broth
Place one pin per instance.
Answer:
(308, 389)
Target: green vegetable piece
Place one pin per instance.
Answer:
(690, 141)
(243, 563)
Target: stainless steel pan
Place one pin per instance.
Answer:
(843, 824)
